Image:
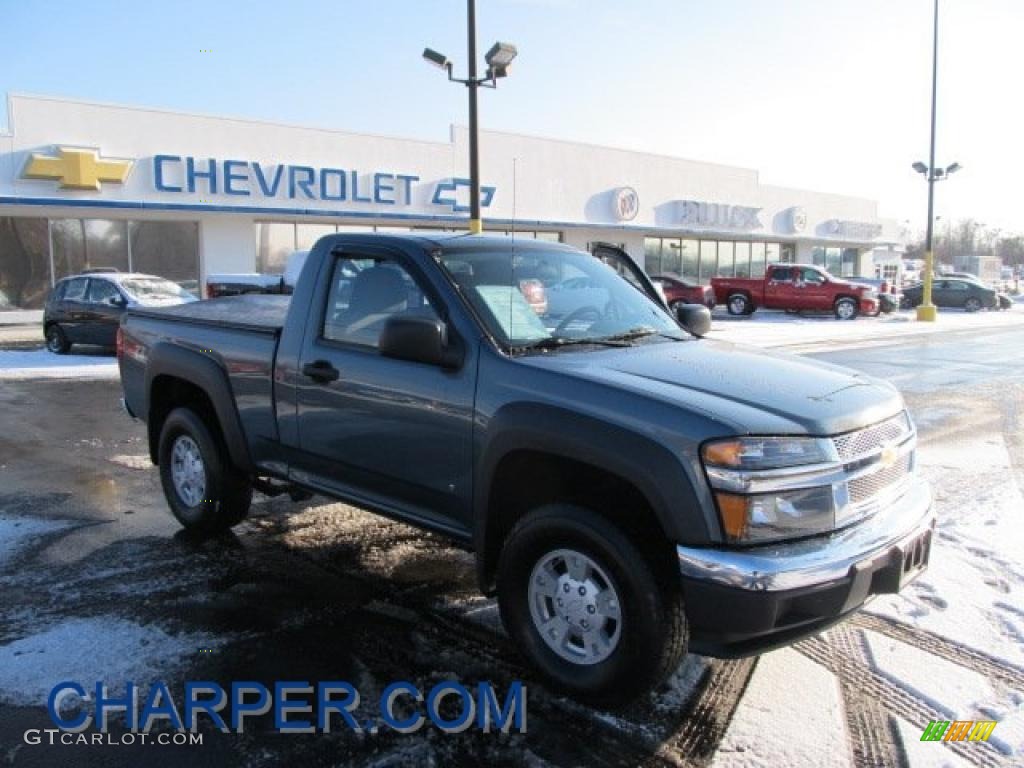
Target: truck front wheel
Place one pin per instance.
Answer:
(739, 304)
(846, 309)
(583, 604)
(204, 491)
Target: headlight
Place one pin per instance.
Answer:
(770, 488)
(768, 452)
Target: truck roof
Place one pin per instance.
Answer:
(454, 241)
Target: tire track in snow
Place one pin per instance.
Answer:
(865, 689)
(977, 661)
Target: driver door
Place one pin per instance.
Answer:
(814, 293)
(395, 434)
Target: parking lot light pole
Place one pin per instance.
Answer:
(927, 311)
(498, 58)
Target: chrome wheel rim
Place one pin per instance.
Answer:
(575, 607)
(973, 305)
(52, 340)
(187, 471)
(846, 310)
(737, 306)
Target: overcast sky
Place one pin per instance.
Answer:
(830, 95)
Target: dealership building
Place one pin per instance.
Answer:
(85, 185)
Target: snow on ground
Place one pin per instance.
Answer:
(773, 328)
(926, 754)
(15, 532)
(778, 723)
(955, 691)
(973, 590)
(21, 317)
(88, 650)
(43, 364)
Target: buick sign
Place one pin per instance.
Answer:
(625, 204)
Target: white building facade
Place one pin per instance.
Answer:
(94, 185)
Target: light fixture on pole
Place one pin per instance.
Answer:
(498, 59)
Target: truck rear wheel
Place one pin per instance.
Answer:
(739, 304)
(583, 604)
(204, 491)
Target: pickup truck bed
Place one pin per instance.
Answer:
(249, 312)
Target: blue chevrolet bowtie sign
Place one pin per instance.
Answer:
(243, 178)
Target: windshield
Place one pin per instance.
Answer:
(154, 289)
(538, 299)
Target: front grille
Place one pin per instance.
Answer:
(864, 441)
(874, 484)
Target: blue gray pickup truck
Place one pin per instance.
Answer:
(631, 491)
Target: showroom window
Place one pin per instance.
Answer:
(24, 263)
(35, 253)
(700, 260)
(841, 262)
(275, 240)
(169, 249)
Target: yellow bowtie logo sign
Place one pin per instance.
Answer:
(77, 168)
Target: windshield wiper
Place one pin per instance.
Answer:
(639, 333)
(557, 342)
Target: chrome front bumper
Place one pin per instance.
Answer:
(820, 560)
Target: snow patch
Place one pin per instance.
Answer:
(15, 532)
(43, 364)
(778, 723)
(139, 461)
(105, 648)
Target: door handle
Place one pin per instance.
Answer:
(320, 371)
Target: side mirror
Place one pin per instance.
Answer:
(116, 301)
(418, 339)
(695, 318)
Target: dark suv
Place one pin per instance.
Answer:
(87, 308)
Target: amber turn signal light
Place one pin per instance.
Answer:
(724, 454)
(733, 511)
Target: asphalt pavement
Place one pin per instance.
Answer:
(320, 591)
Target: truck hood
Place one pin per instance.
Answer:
(750, 390)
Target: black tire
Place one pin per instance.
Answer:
(972, 304)
(846, 308)
(738, 304)
(56, 340)
(228, 493)
(653, 633)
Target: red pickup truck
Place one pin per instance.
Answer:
(795, 287)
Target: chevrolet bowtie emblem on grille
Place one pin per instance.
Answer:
(77, 168)
(888, 455)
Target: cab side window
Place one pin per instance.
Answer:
(364, 293)
(813, 276)
(782, 275)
